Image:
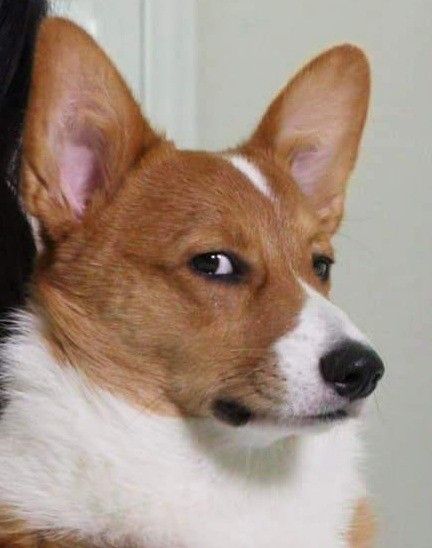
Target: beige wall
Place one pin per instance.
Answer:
(117, 27)
(246, 51)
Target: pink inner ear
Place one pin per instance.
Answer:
(78, 168)
(309, 165)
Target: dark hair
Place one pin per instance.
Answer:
(19, 21)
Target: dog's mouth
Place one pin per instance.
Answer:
(339, 414)
(235, 413)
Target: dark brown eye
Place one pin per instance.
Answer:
(219, 266)
(322, 266)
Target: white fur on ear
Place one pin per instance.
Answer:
(36, 232)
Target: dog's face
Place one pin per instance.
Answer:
(196, 283)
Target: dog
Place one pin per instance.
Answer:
(179, 377)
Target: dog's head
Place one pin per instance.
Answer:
(196, 283)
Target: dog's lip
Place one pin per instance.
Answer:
(330, 416)
(237, 414)
(336, 415)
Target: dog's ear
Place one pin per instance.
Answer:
(83, 132)
(314, 125)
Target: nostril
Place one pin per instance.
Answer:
(353, 369)
(351, 378)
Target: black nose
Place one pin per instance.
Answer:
(353, 369)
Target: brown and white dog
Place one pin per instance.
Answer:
(180, 378)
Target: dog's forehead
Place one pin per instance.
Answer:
(232, 182)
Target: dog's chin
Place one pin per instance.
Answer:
(302, 424)
(327, 418)
(259, 429)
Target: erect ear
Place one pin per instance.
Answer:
(83, 132)
(314, 127)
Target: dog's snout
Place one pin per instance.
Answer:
(353, 369)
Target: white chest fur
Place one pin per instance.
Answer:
(74, 457)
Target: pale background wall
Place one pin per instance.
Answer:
(206, 69)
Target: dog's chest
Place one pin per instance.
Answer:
(74, 458)
(302, 496)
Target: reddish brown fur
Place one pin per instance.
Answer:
(114, 288)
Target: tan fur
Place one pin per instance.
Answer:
(15, 533)
(363, 529)
(113, 284)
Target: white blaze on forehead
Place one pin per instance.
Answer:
(321, 326)
(252, 173)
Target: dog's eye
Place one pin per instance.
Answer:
(219, 266)
(322, 266)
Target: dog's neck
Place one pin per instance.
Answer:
(108, 470)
